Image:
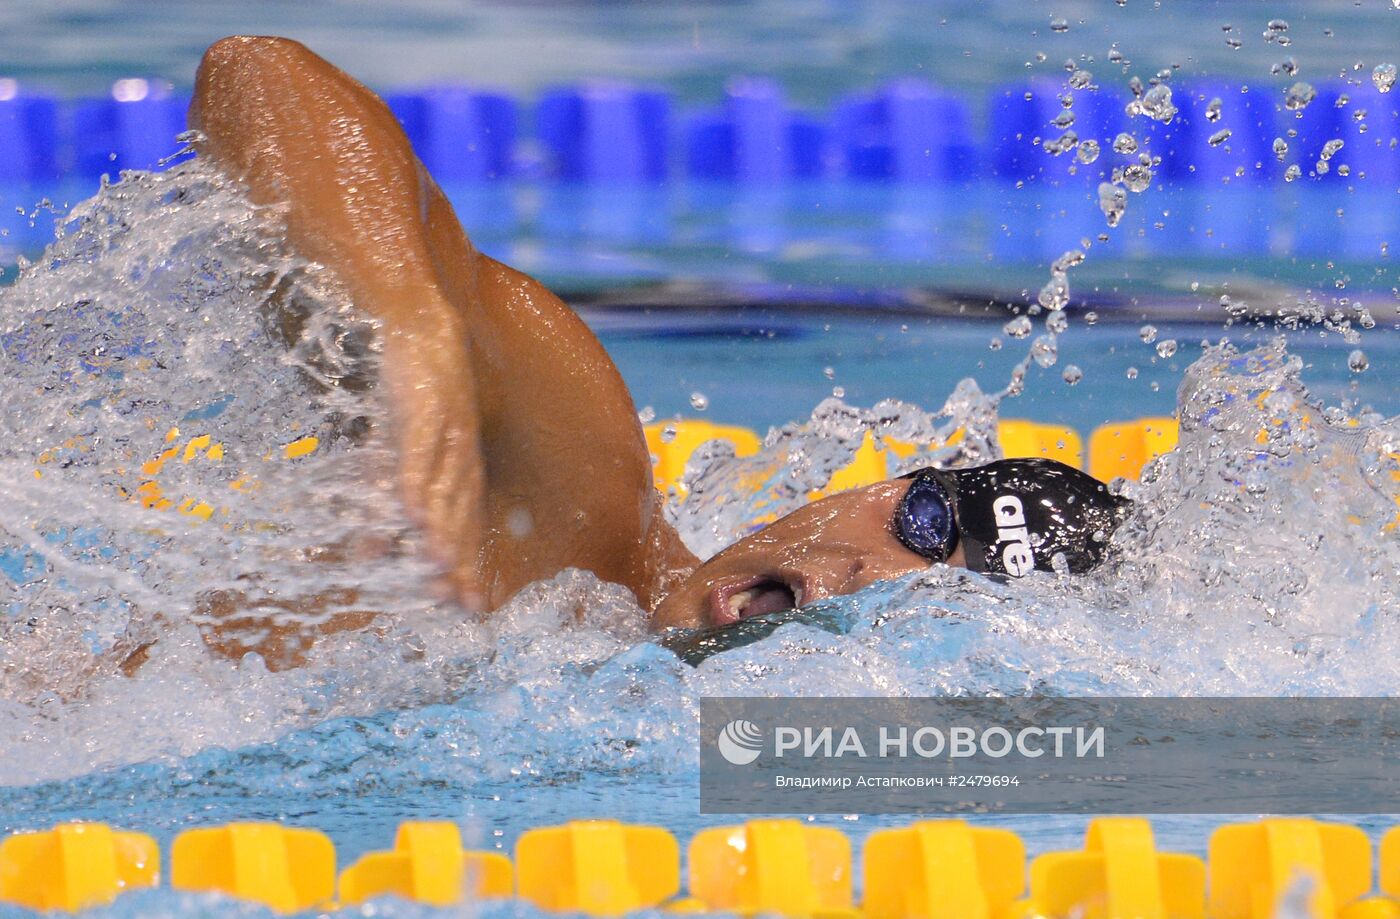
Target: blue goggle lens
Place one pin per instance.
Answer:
(924, 521)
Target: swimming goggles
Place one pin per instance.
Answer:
(924, 520)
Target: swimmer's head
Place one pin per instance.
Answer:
(1007, 518)
(1012, 516)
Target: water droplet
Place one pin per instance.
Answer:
(1091, 317)
(1297, 96)
(647, 415)
(1072, 374)
(839, 392)
(1055, 294)
(668, 433)
(1059, 24)
(1219, 137)
(1292, 172)
(994, 344)
(1166, 348)
(1070, 259)
(1125, 144)
(1156, 104)
(1137, 177)
(1019, 327)
(1113, 201)
(1384, 77)
(1131, 373)
(1287, 67)
(1213, 109)
(1088, 151)
(1148, 334)
(699, 401)
(1062, 144)
(1044, 351)
(1280, 148)
(1330, 148)
(1233, 42)
(1344, 170)
(1275, 30)
(1064, 119)
(1358, 361)
(1080, 79)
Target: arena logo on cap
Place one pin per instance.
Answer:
(1017, 558)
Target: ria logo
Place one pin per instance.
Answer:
(740, 742)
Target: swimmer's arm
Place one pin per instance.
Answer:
(306, 138)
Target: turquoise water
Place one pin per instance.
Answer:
(765, 367)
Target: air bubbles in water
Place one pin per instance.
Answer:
(1019, 327)
(1280, 148)
(1287, 67)
(1277, 32)
(1148, 334)
(1057, 322)
(1131, 373)
(1166, 348)
(1080, 79)
(1059, 24)
(1297, 96)
(1213, 109)
(1357, 361)
(699, 401)
(1125, 144)
(1044, 351)
(1064, 119)
(1219, 137)
(1292, 173)
(1113, 201)
(1072, 374)
(1088, 151)
(1383, 76)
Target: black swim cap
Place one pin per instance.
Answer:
(1017, 514)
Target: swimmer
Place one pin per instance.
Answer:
(520, 449)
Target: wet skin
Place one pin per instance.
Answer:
(520, 449)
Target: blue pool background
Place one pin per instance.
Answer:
(876, 245)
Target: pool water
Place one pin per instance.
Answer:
(150, 308)
(762, 367)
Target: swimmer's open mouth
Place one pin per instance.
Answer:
(756, 596)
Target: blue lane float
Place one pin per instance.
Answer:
(908, 169)
(462, 135)
(605, 132)
(29, 137)
(755, 137)
(906, 131)
(133, 128)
